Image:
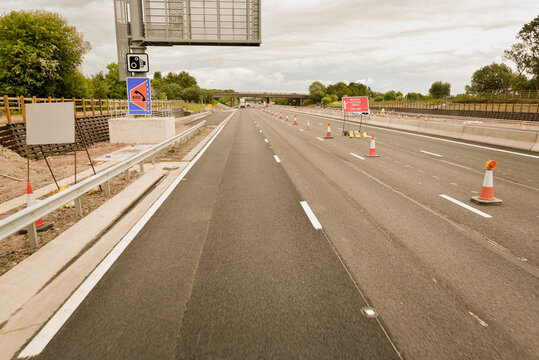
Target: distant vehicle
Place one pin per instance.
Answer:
(242, 103)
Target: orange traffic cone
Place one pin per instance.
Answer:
(308, 125)
(295, 121)
(31, 200)
(486, 197)
(286, 117)
(524, 126)
(372, 150)
(281, 116)
(328, 135)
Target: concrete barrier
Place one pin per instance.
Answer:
(441, 129)
(141, 130)
(510, 138)
(536, 146)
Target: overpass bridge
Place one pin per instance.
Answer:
(299, 97)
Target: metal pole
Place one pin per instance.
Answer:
(46, 161)
(360, 122)
(344, 123)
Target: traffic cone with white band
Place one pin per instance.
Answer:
(281, 116)
(372, 149)
(308, 124)
(328, 135)
(486, 197)
(295, 120)
(286, 117)
(31, 200)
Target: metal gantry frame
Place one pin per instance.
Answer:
(142, 23)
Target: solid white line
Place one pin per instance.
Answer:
(466, 206)
(310, 215)
(483, 323)
(359, 157)
(277, 158)
(45, 335)
(320, 139)
(430, 153)
(435, 138)
(266, 140)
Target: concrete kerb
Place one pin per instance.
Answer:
(27, 278)
(32, 314)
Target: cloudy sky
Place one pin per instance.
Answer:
(402, 45)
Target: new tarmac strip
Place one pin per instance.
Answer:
(230, 267)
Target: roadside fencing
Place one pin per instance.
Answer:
(26, 218)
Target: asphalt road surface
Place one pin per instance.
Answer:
(229, 267)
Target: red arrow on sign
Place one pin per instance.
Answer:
(139, 96)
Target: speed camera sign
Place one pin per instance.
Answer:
(137, 63)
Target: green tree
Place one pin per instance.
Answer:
(525, 54)
(412, 96)
(317, 86)
(116, 89)
(390, 95)
(192, 93)
(357, 89)
(440, 89)
(496, 78)
(338, 89)
(38, 52)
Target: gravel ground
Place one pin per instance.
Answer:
(15, 248)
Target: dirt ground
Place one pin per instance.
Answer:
(15, 248)
(13, 165)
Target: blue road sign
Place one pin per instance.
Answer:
(138, 93)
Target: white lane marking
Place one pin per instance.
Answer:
(45, 335)
(359, 157)
(478, 319)
(277, 158)
(320, 138)
(435, 138)
(266, 140)
(339, 128)
(260, 130)
(430, 153)
(310, 215)
(301, 130)
(485, 215)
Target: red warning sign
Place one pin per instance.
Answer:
(139, 96)
(355, 104)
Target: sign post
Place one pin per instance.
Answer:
(139, 95)
(355, 104)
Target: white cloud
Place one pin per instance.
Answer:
(404, 44)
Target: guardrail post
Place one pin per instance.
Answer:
(78, 206)
(153, 159)
(127, 177)
(32, 235)
(142, 167)
(106, 187)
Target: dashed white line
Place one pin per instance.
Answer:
(277, 158)
(478, 319)
(431, 153)
(260, 130)
(266, 140)
(485, 215)
(356, 155)
(301, 130)
(320, 138)
(311, 215)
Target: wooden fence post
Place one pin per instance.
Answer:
(8, 110)
(108, 107)
(23, 109)
(93, 107)
(84, 107)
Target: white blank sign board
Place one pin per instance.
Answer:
(50, 123)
